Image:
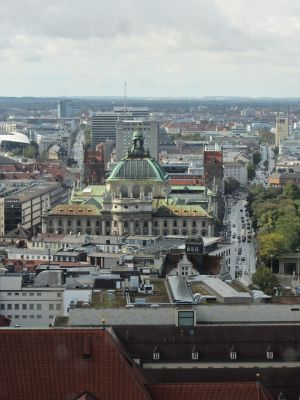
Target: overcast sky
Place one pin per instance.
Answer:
(160, 47)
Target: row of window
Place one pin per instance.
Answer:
(31, 306)
(28, 293)
(28, 316)
(232, 355)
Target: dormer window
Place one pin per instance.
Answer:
(156, 353)
(270, 353)
(195, 353)
(233, 354)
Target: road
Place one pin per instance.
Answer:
(77, 152)
(244, 254)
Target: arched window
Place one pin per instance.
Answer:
(136, 191)
(147, 190)
(124, 191)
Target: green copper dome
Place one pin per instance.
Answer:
(138, 164)
(138, 168)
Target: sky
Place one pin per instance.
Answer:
(161, 48)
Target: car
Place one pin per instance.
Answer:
(248, 240)
(243, 258)
(241, 210)
(234, 236)
(233, 225)
(239, 250)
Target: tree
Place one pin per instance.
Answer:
(231, 185)
(291, 191)
(270, 245)
(251, 171)
(88, 137)
(256, 158)
(266, 164)
(265, 280)
(266, 137)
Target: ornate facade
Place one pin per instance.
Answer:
(136, 201)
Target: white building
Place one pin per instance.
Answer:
(31, 305)
(237, 171)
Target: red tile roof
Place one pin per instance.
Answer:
(62, 364)
(209, 391)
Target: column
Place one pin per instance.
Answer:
(131, 231)
(103, 227)
(120, 227)
(150, 227)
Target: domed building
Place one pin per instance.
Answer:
(136, 200)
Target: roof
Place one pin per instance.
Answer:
(74, 209)
(163, 209)
(62, 364)
(209, 391)
(138, 168)
(138, 164)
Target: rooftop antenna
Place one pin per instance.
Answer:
(125, 96)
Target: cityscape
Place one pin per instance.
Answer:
(150, 200)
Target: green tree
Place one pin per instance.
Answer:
(30, 152)
(270, 245)
(231, 185)
(88, 137)
(256, 158)
(291, 191)
(266, 137)
(251, 171)
(265, 280)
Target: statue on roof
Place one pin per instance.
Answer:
(137, 148)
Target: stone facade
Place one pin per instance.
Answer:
(136, 201)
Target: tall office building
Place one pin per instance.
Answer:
(125, 129)
(104, 123)
(281, 130)
(65, 108)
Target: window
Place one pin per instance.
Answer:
(17, 294)
(24, 294)
(185, 318)
(31, 294)
(17, 316)
(2, 306)
(78, 222)
(58, 294)
(69, 222)
(51, 306)
(155, 224)
(232, 354)
(165, 224)
(31, 316)
(175, 223)
(9, 306)
(31, 306)
(156, 353)
(203, 224)
(195, 354)
(88, 223)
(194, 224)
(24, 316)
(184, 224)
(8, 294)
(38, 306)
(51, 316)
(270, 355)
(39, 316)
(57, 306)
(17, 306)
(39, 294)
(24, 306)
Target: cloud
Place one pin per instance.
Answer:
(191, 47)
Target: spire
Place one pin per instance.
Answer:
(137, 148)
